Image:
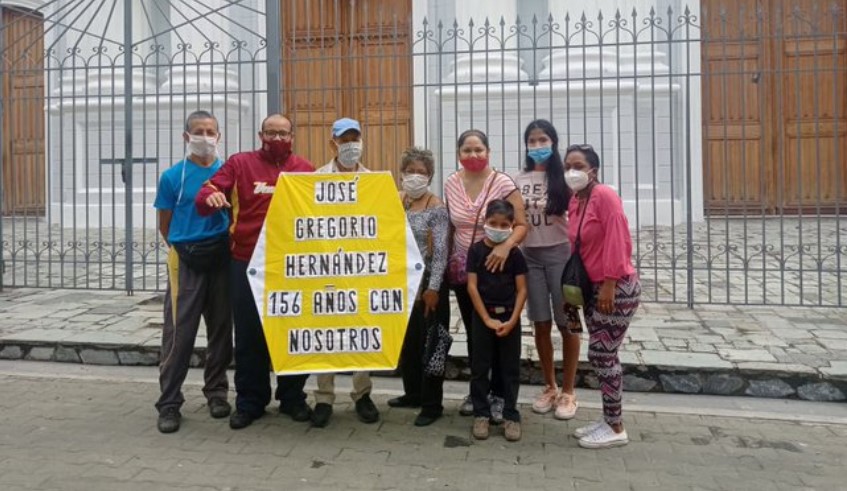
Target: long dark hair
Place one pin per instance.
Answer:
(558, 193)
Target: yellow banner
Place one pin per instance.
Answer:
(335, 273)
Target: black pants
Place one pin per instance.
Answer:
(418, 386)
(252, 360)
(498, 355)
(466, 309)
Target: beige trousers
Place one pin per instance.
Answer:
(326, 387)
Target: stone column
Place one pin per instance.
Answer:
(608, 7)
(478, 83)
(97, 66)
(201, 76)
(199, 50)
(86, 109)
(493, 65)
(651, 132)
(478, 10)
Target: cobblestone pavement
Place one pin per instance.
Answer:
(773, 260)
(59, 432)
(717, 349)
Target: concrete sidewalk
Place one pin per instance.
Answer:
(786, 352)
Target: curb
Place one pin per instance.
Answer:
(767, 383)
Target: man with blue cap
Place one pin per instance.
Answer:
(346, 144)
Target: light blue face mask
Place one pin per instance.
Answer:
(540, 154)
(497, 235)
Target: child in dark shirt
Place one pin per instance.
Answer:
(498, 298)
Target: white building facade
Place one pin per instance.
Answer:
(623, 90)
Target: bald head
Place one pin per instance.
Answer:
(276, 119)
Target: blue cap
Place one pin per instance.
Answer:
(344, 125)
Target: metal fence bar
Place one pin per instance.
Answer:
(632, 83)
(689, 205)
(273, 18)
(838, 96)
(128, 163)
(3, 105)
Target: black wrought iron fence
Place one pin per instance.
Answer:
(95, 101)
(723, 128)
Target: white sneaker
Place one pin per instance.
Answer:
(543, 403)
(497, 406)
(566, 406)
(604, 437)
(589, 428)
(466, 409)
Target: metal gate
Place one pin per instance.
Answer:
(723, 125)
(97, 92)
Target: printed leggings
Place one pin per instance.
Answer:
(606, 334)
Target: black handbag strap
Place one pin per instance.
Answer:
(581, 219)
(481, 206)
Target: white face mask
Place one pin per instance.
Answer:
(415, 185)
(577, 180)
(202, 146)
(497, 235)
(349, 154)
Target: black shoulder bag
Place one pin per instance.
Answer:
(577, 289)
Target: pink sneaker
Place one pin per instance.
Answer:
(566, 406)
(543, 403)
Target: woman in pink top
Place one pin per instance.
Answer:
(467, 193)
(596, 216)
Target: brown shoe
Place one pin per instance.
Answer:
(512, 431)
(480, 428)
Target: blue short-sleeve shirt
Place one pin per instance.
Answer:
(177, 188)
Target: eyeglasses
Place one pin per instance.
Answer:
(580, 147)
(282, 135)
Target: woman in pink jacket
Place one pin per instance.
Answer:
(596, 215)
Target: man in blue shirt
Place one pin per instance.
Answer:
(198, 276)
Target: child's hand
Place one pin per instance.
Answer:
(504, 329)
(493, 324)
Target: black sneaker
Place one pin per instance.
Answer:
(169, 419)
(219, 408)
(240, 420)
(367, 411)
(426, 419)
(404, 401)
(298, 412)
(321, 414)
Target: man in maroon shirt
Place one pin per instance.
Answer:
(246, 184)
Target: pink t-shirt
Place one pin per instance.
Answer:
(463, 211)
(606, 244)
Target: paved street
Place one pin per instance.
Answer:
(75, 427)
